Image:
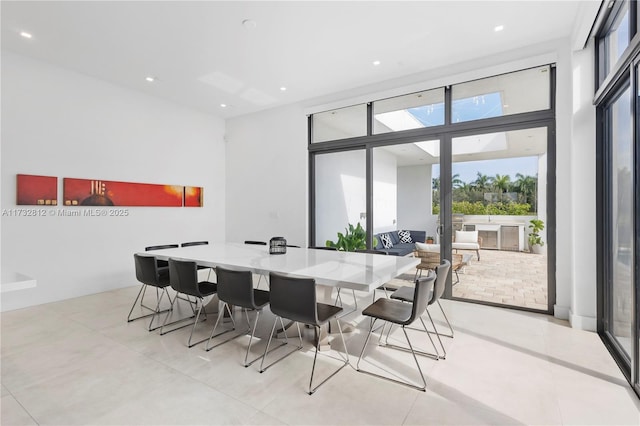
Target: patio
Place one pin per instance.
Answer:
(505, 277)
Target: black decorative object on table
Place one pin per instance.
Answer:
(277, 245)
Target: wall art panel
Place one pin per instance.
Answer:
(87, 192)
(37, 190)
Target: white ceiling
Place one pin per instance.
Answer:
(202, 54)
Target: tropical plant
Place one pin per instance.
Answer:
(354, 238)
(482, 182)
(536, 225)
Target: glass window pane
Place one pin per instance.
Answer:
(340, 123)
(498, 186)
(617, 38)
(340, 185)
(621, 231)
(414, 111)
(506, 94)
(402, 190)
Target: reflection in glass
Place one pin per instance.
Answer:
(621, 231)
(340, 186)
(506, 94)
(340, 123)
(413, 111)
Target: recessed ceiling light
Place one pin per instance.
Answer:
(249, 23)
(283, 89)
(25, 34)
(150, 79)
(223, 105)
(498, 28)
(376, 63)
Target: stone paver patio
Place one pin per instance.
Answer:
(505, 277)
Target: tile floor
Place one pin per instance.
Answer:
(79, 362)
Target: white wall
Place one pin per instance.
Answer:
(266, 177)
(340, 193)
(385, 191)
(414, 199)
(60, 123)
(582, 195)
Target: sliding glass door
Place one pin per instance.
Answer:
(463, 168)
(499, 190)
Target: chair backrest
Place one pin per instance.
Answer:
(421, 296)
(183, 277)
(371, 251)
(442, 271)
(235, 287)
(293, 298)
(258, 243)
(162, 247)
(146, 269)
(194, 243)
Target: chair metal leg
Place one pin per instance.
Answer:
(436, 356)
(158, 311)
(355, 302)
(444, 351)
(153, 313)
(447, 320)
(409, 384)
(221, 315)
(164, 324)
(266, 350)
(315, 356)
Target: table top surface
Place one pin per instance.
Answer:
(358, 271)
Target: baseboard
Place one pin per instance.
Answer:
(561, 312)
(582, 322)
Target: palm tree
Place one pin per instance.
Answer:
(501, 182)
(456, 182)
(526, 186)
(482, 182)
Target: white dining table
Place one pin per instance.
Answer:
(357, 271)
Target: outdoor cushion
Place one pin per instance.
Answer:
(405, 236)
(427, 247)
(385, 240)
(467, 237)
(465, 246)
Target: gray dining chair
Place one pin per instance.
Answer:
(235, 288)
(199, 243)
(148, 273)
(402, 314)
(162, 263)
(294, 299)
(405, 294)
(183, 277)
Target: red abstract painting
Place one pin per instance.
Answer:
(37, 190)
(193, 196)
(87, 192)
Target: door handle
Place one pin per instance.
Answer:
(440, 230)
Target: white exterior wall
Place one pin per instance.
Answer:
(385, 191)
(414, 199)
(61, 123)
